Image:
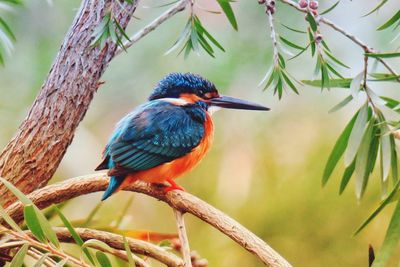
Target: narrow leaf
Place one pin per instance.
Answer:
(356, 135)
(362, 169)
(383, 204)
(18, 259)
(78, 240)
(376, 8)
(391, 239)
(383, 55)
(340, 83)
(348, 172)
(9, 220)
(293, 29)
(227, 9)
(355, 84)
(40, 262)
(338, 150)
(21, 196)
(291, 44)
(103, 259)
(330, 9)
(390, 22)
(341, 104)
(128, 252)
(33, 223)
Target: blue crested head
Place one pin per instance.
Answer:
(176, 84)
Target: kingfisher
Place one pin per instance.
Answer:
(167, 136)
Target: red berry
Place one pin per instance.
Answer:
(315, 12)
(314, 5)
(303, 3)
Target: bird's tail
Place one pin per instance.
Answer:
(113, 186)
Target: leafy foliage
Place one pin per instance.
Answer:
(7, 36)
(195, 36)
(109, 28)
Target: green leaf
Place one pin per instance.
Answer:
(227, 9)
(393, 162)
(46, 227)
(340, 83)
(293, 29)
(61, 263)
(94, 243)
(40, 262)
(390, 22)
(376, 8)
(391, 239)
(338, 150)
(383, 77)
(291, 44)
(383, 204)
(7, 29)
(289, 82)
(18, 259)
(128, 252)
(331, 8)
(383, 55)
(21, 196)
(356, 135)
(330, 55)
(202, 30)
(311, 20)
(341, 104)
(103, 259)
(362, 169)
(348, 172)
(9, 220)
(312, 42)
(78, 240)
(33, 223)
(356, 84)
(385, 152)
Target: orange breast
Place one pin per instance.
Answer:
(177, 167)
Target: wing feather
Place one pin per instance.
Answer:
(155, 133)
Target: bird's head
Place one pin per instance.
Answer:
(188, 88)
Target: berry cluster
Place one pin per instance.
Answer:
(270, 4)
(312, 4)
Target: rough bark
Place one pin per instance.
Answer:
(33, 155)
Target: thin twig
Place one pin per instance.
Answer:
(46, 247)
(183, 201)
(116, 241)
(273, 35)
(353, 38)
(185, 249)
(180, 6)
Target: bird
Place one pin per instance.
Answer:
(168, 135)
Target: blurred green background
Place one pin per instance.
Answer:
(264, 169)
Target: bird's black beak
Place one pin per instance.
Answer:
(235, 103)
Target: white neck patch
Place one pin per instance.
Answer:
(175, 101)
(213, 109)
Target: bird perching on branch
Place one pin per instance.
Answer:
(168, 135)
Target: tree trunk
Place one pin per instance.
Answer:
(33, 155)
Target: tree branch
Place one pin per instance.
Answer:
(185, 249)
(33, 155)
(179, 200)
(116, 241)
(180, 6)
(353, 38)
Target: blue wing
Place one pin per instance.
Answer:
(155, 133)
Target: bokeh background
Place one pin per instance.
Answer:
(264, 169)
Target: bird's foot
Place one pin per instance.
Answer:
(174, 186)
